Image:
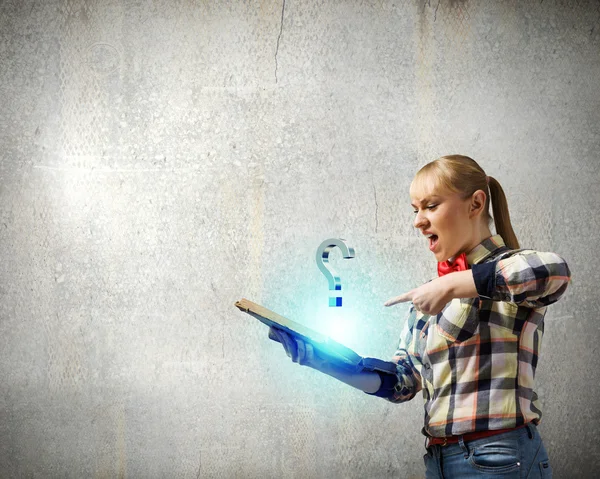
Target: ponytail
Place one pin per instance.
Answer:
(501, 215)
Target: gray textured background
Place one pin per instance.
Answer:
(160, 160)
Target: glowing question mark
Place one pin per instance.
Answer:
(323, 263)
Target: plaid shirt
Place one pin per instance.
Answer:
(475, 361)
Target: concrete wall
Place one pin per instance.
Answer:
(160, 160)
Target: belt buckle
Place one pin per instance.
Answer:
(428, 442)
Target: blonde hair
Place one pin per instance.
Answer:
(462, 175)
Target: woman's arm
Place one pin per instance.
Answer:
(396, 388)
(366, 381)
(528, 278)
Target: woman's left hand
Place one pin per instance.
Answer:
(429, 298)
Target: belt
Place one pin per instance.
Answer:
(471, 436)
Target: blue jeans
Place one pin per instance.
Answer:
(515, 454)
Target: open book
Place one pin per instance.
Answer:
(324, 347)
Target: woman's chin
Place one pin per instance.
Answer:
(439, 257)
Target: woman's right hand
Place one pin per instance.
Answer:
(301, 352)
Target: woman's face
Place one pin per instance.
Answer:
(445, 218)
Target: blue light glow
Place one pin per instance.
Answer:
(339, 324)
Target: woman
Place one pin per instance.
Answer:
(473, 335)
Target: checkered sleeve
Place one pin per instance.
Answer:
(408, 377)
(529, 278)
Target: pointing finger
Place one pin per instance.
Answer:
(399, 299)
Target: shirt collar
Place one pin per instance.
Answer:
(485, 249)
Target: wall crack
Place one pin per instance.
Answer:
(376, 208)
(279, 37)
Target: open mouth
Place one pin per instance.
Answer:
(433, 241)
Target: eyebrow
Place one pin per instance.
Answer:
(425, 200)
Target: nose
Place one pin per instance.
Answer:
(420, 220)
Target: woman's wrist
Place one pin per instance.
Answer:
(459, 284)
(366, 381)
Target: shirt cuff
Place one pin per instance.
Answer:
(388, 384)
(484, 276)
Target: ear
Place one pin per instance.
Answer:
(477, 203)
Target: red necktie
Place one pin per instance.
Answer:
(460, 264)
